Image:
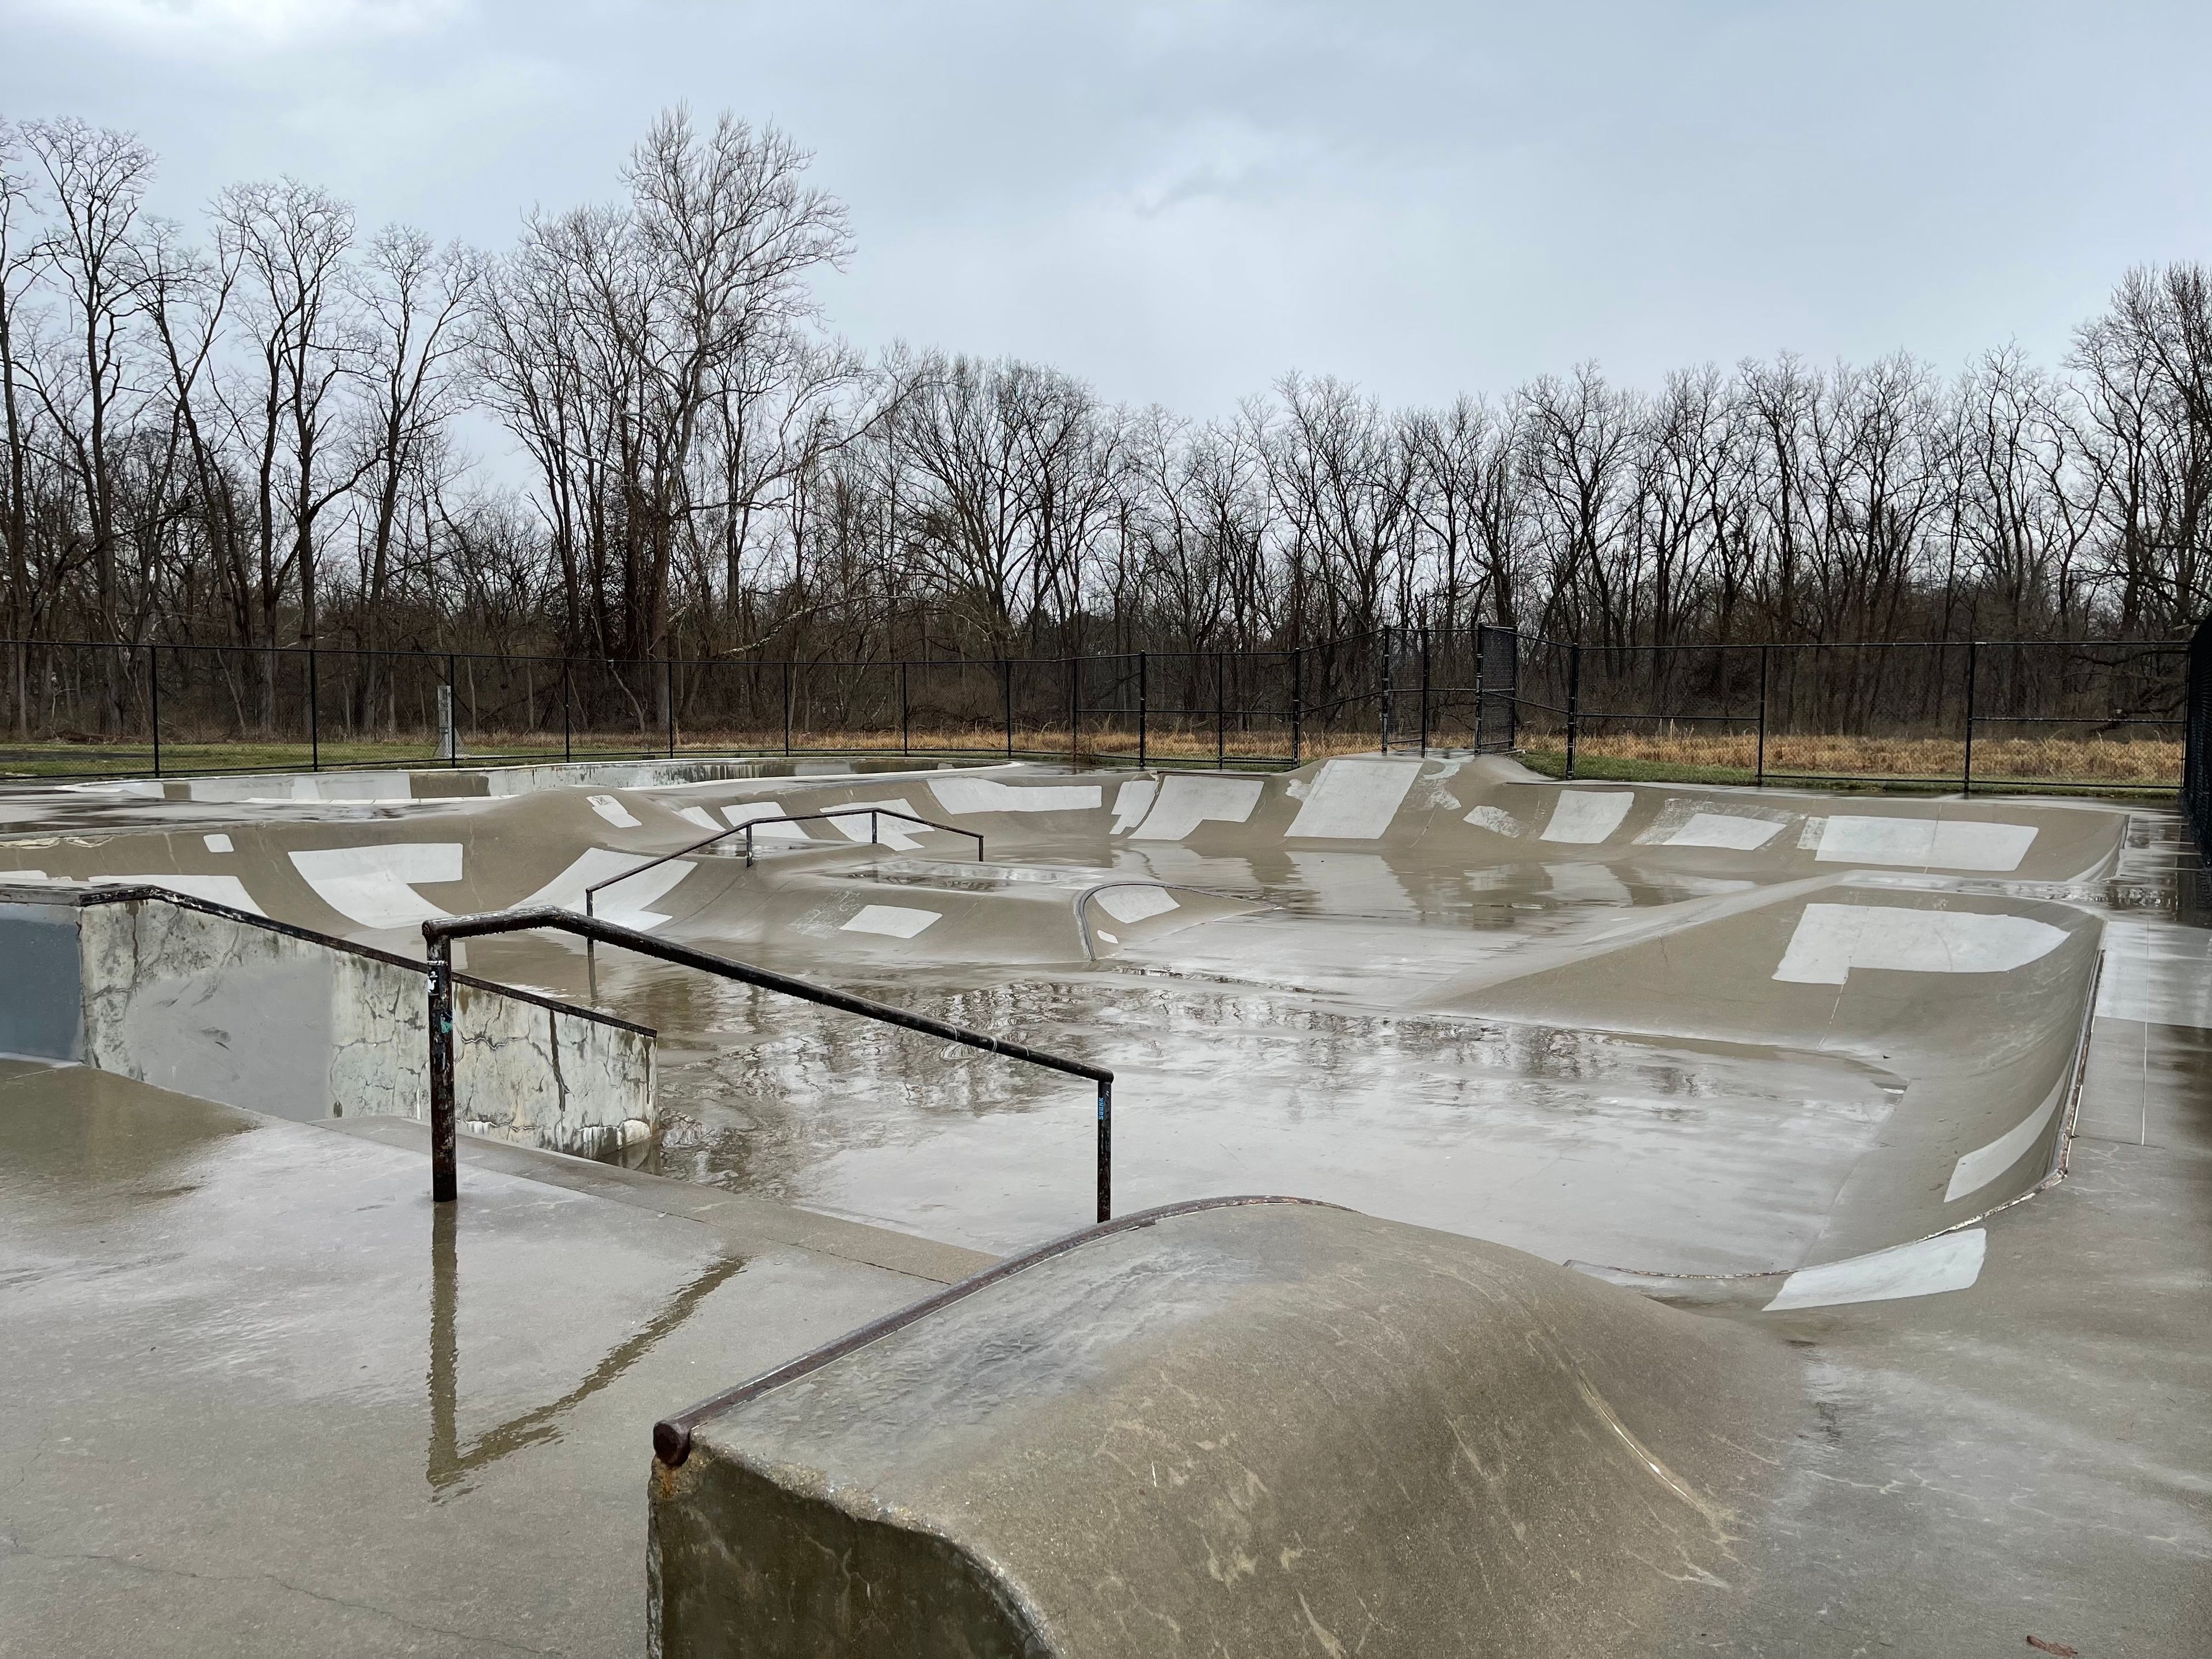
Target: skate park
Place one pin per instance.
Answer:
(1548, 1216)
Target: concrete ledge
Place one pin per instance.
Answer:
(1270, 1428)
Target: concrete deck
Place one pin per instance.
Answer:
(260, 1399)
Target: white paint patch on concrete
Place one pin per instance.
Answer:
(963, 795)
(1949, 1261)
(1942, 845)
(1585, 816)
(374, 885)
(893, 921)
(216, 889)
(1587, 884)
(1831, 939)
(1977, 1169)
(1354, 799)
(1135, 903)
(217, 843)
(769, 817)
(699, 816)
(614, 812)
(1497, 820)
(623, 903)
(1185, 802)
(893, 833)
(1131, 802)
(1741, 835)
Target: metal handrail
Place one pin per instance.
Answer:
(746, 830)
(440, 933)
(592, 893)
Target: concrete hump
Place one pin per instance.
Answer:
(1261, 1426)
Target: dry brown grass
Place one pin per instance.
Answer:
(2140, 761)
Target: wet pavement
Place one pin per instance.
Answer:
(263, 1401)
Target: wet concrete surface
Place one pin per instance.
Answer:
(261, 1399)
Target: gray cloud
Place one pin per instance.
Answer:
(1180, 202)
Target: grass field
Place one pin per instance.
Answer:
(2091, 764)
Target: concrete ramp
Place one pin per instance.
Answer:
(1253, 1427)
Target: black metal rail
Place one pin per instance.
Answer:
(438, 934)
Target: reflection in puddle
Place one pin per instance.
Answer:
(450, 1462)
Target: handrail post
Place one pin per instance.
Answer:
(1105, 1149)
(444, 1185)
(591, 946)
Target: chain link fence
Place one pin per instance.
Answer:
(2079, 715)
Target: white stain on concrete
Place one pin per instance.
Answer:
(217, 843)
(1949, 1261)
(1185, 802)
(769, 816)
(614, 812)
(1135, 903)
(623, 903)
(1741, 835)
(854, 824)
(374, 885)
(1586, 816)
(1977, 1169)
(699, 816)
(1497, 820)
(893, 921)
(1131, 802)
(1924, 841)
(1831, 939)
(1354, 799)
(964, 795)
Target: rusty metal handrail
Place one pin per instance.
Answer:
(440, 933)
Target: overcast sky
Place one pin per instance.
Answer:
(1180, 202)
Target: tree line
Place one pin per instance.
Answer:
(254, 431)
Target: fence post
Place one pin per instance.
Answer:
(787, 706)
(1297, 700)
(1382, 722)
(906, 715)
(453, 712)
(1006, 687)
(1760, 776)
(1425, 690)
(1074, 697)
(314, 714)
(1574, 701)
(152, 697)
(568, 743)
(668, 692)
(1220, 714)
(1966, 769)
(1143, 708)
(443, 1184)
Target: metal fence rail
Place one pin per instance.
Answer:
(1973, 713)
